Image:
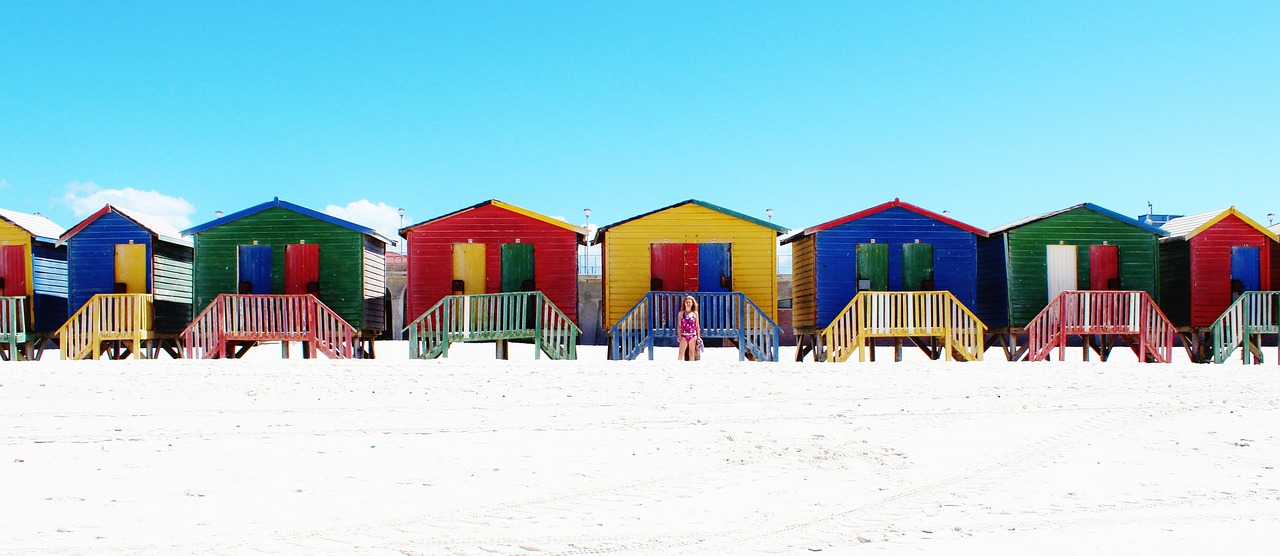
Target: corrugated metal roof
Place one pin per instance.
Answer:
(1088, 206)
(1189, 226)
(1183, 225)
(35, 224)
(276, 202)
(161, 229)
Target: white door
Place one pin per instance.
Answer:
(1061, 264)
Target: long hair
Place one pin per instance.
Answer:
(689, 298)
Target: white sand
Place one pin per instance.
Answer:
(475, 456)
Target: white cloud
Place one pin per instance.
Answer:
(382, 217)
(85, 198)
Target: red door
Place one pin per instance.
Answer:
(13, 270)
(302, 269)
(666, 267)
(1104, 267)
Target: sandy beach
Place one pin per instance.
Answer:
(470, 455)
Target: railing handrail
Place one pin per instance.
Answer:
(303, 315)
(493, 316)
(1122, 312)
(720, 315)
(117, 314)
(13, 315)
(1254, 312)
(951, 320)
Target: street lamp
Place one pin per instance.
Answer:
(400, 211)
(1271, 218)
(769, 213)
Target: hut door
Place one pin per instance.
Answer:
(1246, 270)
(302, 269)
(253, 269)
(468, 269)
(13, 270)
(917, 267)
(131, 268)
(517, 268)
(1061, 265)
(873, 266)
(715, 267)
(666, 267)
(1104, 267)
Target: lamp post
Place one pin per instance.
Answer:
(1271, 218)
(769, 213)
(400, 211)
(583, 265)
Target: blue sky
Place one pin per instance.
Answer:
(992, 111)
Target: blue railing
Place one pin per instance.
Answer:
(729, 315)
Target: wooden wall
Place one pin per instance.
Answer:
(342, 259)
(1211, 266)
(626, 260)
(431, 257)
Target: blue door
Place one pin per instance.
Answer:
(1246, 269)
(254, 269)
(715, 267)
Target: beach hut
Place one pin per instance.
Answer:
(1080, 271)
(282, 272)
(1207, 262)
(511, 271)
(33, 283)
(129, 285)
(893, 270)
(726, 259)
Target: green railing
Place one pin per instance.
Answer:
(494, 317)
(13, 327)
(729, 315)
(1252, 315)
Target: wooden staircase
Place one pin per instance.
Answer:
(914, 315)
(13, 328)
(232, 323)
(1129, 315)
(1251, 316)
(113, 323)
(730, 315)
(494, 317)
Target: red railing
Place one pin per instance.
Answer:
(1132, 314)
(252, 318)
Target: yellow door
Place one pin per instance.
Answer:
(131, 268)
(468, 268)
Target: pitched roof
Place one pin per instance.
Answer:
(1088, 206)
(505, 206)
(778, 230)
(162, 230)
(1187, 227)
(35, 224)
(276, 202)
(896, 203)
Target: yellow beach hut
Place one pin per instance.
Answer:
(725, 259)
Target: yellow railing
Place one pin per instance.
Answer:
(107, 317)
(904, 315)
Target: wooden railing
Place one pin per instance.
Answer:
(13, 327)
(495, 317)
(729, 315)
(255, 318)
(1130, 314)
(1241, 325)
(934, 314)
(107, 317)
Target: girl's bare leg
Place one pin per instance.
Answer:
(680, 351)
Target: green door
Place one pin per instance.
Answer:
(873, 266)
(517, 267)
(917, 267)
